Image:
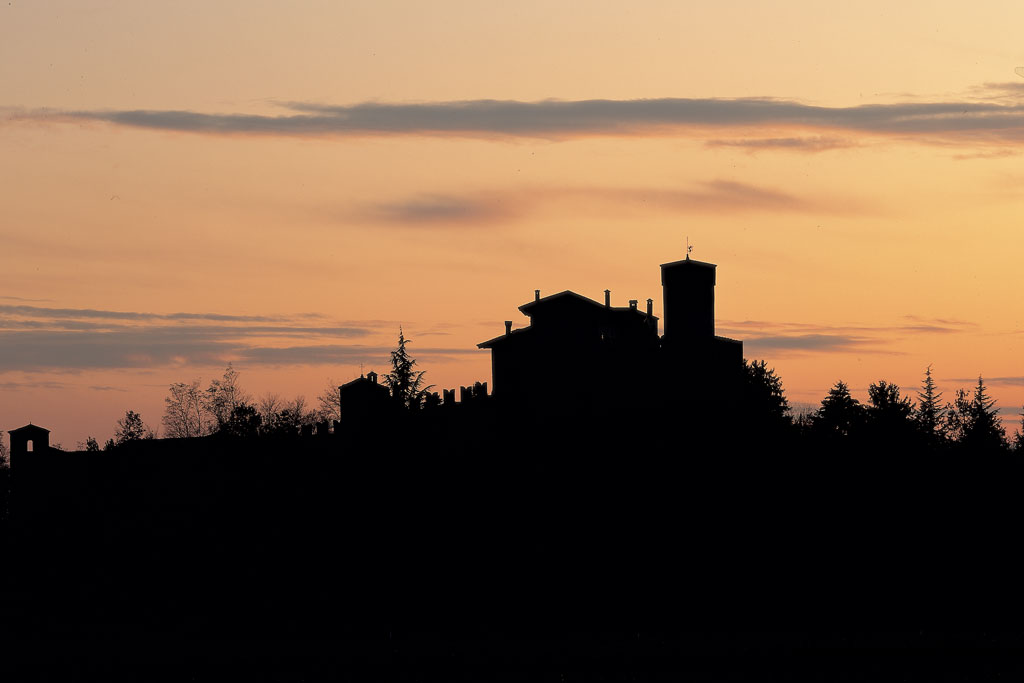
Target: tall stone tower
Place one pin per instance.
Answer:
(688, 291)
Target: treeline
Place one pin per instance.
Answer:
(889, 420)
(224, 407)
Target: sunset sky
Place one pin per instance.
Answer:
(282, 185)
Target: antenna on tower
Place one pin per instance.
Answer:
(360, 369)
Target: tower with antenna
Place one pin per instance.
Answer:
(688, 298)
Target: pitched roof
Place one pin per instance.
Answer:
(502, 337)
(691, 261)
(29, 428)
(560, 296)
(570, 296)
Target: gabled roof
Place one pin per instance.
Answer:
(570, 296)
(561, 296)
(690, 261)
(490, 343)
(29, 428)
(363, 380)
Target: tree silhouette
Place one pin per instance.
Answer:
(929, 412)
(1018, 435)
(184, 411)
(223, 396)
(985, 432)
(91, 444)
(890, 416)
(765, 406)
(973, 422)
(957, 417)
(245, 421)
(131, 428)
(330, 401)
(405, 382)
(840, 415)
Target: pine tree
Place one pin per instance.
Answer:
(957, 418)
(764, 394)
(840, 414)
(929, 413)
(1018, 436)
(890, 418)
(405, 381)
(986, 432)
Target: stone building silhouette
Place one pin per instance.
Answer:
(579, 354)
(364, 399)
(29, 439)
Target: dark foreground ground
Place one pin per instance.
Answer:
(613, 557)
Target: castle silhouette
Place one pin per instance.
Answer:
(613, 356)
(576, 357)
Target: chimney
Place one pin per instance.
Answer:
(536, 295)
(607, 298)
(650, 308)
(508, 327)
(632, 304)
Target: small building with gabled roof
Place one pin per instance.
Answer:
(29, 439)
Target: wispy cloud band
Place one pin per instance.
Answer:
(993, 118)
(34, 338)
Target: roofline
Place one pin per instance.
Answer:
(490, 342)
(690, 261)
(563, 293)
(29, 426)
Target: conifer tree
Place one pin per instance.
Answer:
(890, 417)
(840, 414)
(763, 393)
(986, 432)
(1018, 436)
(957, 417)
(972, 422)
(929, 413)
(405, 382)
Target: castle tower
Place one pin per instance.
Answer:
(688, 291)
(28, 439)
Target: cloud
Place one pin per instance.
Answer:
(915, 325)
(1015, 381)
(78, 339)
(40, 312)
(810, 342)
(430, 209)
(501, 206)
(23, 386)
(992, 154)
(995, 114)
(812, 144)
(790, 338)
(711, 195)
(64, 339)
(339, 353)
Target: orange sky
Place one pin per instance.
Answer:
(282, 187)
